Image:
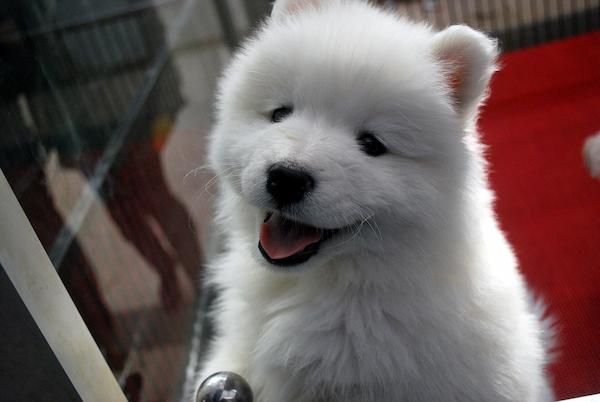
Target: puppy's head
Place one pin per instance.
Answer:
(339, 122)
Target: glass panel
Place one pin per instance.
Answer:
(28, 364)
(104, 107)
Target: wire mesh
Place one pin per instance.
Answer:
(516, 23)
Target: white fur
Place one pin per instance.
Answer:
(422, 300)
(591, 154)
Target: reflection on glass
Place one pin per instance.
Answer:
(89, 95)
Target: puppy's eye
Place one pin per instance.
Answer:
(281, 113)
(370, 145)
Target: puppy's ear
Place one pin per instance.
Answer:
(283, 8)
(468, 57)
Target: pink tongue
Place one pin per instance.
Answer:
(282, 238)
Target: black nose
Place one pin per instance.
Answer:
(288, 185)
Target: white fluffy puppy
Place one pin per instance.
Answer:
(363, 260)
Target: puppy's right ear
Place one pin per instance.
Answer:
(469, 60)
(284, 8)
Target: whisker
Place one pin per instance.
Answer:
(224, 173)
(355, 233)
(195, 171)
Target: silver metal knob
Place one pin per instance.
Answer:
(224, 386)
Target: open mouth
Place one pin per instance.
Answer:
(286, 242)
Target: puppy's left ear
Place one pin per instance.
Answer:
(283, 8)
(468, 58)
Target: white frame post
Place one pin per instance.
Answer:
(43, 293)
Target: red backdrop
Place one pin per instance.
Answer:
(545, 101)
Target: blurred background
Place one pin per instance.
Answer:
(104, 110)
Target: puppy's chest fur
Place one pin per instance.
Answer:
(322, 340)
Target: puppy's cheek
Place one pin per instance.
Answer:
(230, 163)
(252, 184)
(234, 179)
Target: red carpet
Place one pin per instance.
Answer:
(545, 101)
